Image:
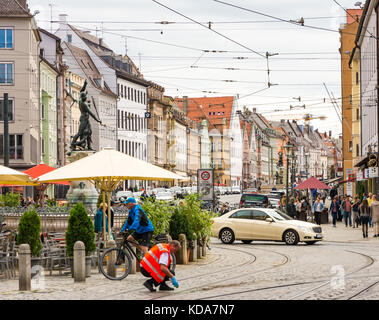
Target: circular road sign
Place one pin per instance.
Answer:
(205, 175)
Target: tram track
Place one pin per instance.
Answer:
(216, 284)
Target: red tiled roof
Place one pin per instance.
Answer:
(220, 106)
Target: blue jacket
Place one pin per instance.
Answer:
(332, 207)
(138, 220)
(99, 221)
(315, 206)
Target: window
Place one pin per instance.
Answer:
(118, 118)
(122, 91)
(356, 78)
(128, 93)
(357, 114)
(350, 146)
(357, 149)
(16, 149)
(241, 214)
(118, 89)
(6, 73)
(6, 38)
(131, 96)
(10, 110)
(259, 215)
(69, 38)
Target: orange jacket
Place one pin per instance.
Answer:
(150, 261)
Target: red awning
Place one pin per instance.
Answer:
(312, 183)
(41, 169)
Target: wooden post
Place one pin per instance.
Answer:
(111, 267)
(104, 225)
(24, 282)
(193, 251)
(183, 249)
(109, 216)
(79, 262)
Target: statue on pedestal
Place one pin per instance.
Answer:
(85, 132)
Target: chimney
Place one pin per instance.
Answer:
(185, 105)
(63, 22)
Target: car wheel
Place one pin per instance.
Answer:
(247, 241)
(291, 237)
(227, 236)
(310, 242)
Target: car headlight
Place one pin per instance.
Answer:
(305, 229)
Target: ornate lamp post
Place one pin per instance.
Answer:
(287, 147)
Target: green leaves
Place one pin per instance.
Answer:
(80, 228)
(10, 200)
(159, 213)
(29, 229)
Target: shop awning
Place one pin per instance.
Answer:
(41, 169)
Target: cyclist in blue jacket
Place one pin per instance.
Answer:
(138, 221)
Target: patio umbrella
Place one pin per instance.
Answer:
(312, 183)
(36, 172)
(13, 177)
(107, 169)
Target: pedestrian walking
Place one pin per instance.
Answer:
(375, 215)
(224, 209)
(340, 209)
(317, 209)
(292, 209)
(346, 206)
(365, 215)
(333, 211)
(355, 212)
(298, 208)
(369, 200)
(304, 209)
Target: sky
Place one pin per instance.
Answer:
(175, 56)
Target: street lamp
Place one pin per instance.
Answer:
(287, 147)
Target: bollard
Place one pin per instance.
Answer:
(134, 261)
(111, 263)
(183, 249)
(204, 247)
(24, 282)
(79, 262)
(198, 251)
(193, 251)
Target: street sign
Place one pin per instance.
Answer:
(373, 172)
(360, 176)
(205, 184)
(147, 115)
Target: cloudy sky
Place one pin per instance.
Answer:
(174, 54)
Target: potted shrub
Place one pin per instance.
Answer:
(29, 229)
(80, 228)
(179, 223)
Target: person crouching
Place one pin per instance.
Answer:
(155, 265)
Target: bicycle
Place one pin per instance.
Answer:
(115, 263)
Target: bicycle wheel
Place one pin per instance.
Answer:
(115, 264)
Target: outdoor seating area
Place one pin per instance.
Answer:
(53, 257)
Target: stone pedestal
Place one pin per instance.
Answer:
(79, 262)
(82, 191)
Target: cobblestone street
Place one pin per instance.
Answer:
(342, 266)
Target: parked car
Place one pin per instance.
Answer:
(194, 189)
(264, 224)
(137, 195)
(187, 190)
(281, 193)
(123, 195)
(164, 196)
(251, 190)
(236, 189)
(252, 200)
(156, 190)
(176, 192)
(274, 202)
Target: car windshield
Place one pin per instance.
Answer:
(279, 215)
(254, 197)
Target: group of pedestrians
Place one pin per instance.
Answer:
(356, 212)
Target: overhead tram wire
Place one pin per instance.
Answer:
(204, 26)
(284, 20)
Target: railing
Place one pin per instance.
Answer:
(55, 219)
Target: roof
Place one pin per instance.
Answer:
(213, 109)
(89, 68)
(14, 8)
(101, 49)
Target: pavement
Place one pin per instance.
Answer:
(225, 269)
